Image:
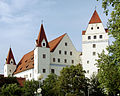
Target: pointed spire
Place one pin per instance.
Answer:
(95, 18)
(9, 57)
(42, 36)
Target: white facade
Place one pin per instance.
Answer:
(94, 41)
(66, 53)
(28, 74)
(9, 69)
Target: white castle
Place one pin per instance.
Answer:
(51, 57)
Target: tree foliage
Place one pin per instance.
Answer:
(72, 81)
(109, 74)
(30, 87)
(11, 90)
(7, 80)
(94, 89)
(49, 85)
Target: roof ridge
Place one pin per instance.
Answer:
(54, 43)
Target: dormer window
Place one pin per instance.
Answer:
(43, 44)
(11, 61)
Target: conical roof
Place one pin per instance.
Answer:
(42, 36)
(9, 57)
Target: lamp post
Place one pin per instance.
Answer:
(40, 76)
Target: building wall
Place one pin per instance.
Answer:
(28, 74)
(91, 47)
(9, 69)
(40, 63)
(71, 54)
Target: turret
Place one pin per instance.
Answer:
(10, 65)
(94, 41)
(41, 55)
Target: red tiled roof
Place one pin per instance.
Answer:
(27, 62)
(54, 43)
(83, 32)
(9, 57)
(42, 36)
(95, 18)
(21, 81)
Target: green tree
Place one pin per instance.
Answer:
(30, 87)
(11, 90)
(109, 74)
(94, 89)
(49, 85)
(72, 81)
(7, 80)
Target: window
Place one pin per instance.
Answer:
(65, 52)
(87, 62)
(65, 43)
(100, 36)
(58, 59)
(30, 74)
(10, 71)
(25, 61)
(89, 37)
(44, 70)
(91, 28)
(11, 62)
(94, 45)
(52, 71)
(65, 60)
(94, 53)
(59, 51)
(53, 59)
(32, 58)
(72, 61)
(70, 52)
(97, 27)
(21, 68)
(27, 66)
(87, 71)
(95, 37)
(43, 44)
(44, 55)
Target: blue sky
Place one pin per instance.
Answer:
(20, 22)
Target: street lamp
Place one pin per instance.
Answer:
(39, 77)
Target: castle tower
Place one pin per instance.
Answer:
(10, 65)
(94, 41)
(41, 55)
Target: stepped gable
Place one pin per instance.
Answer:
(41, 36)
(9, 57)
(54, 43)
(95, 18)
(26, 63)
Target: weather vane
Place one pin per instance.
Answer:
(95, 7)
(42, 21)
